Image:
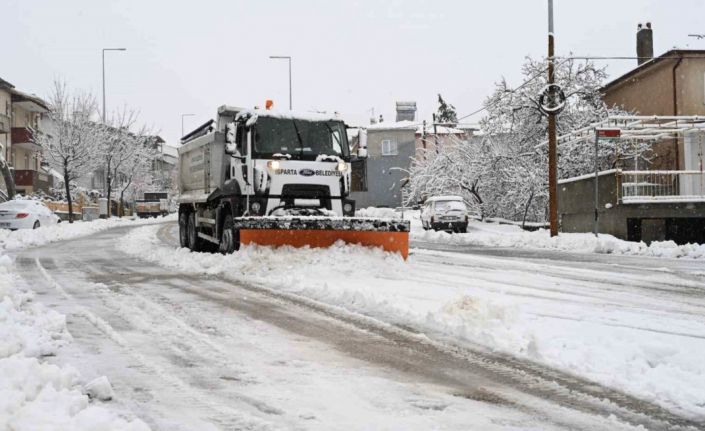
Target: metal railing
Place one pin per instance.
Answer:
(658, 186)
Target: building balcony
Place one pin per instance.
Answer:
(23, 137)
(35, 179)
(662, 186)
(5, 123)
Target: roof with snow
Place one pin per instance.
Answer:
(5, 84)
(289, 115)
(440, 130)
(444, 198)
(668, 55)
(394, 125)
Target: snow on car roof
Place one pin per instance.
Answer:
(18, 204)
(444, 198)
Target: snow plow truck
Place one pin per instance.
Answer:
(263, 177)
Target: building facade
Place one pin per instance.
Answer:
(672, 84)
(390, 149)
(21, 116)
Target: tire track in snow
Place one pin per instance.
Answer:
(531, 378)
(223, 415)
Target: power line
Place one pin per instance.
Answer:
(523, 84)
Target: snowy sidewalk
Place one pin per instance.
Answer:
(637, 329)
(36, 395)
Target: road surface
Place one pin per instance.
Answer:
(186, 353)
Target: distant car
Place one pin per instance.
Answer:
(25, 215)
(447, 213)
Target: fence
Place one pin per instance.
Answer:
(667, 186)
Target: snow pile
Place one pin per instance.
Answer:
(491, 235)
(13, 240)
(35, 395)
(336, 276)
(618, 337)
(374, 212)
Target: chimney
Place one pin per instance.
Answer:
(406, 111)
(644, 43)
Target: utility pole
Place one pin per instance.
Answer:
(108, 178)
(107, 49)
(435, 133)
(552, 156)
(423, 139)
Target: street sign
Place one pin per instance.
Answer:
(609, 133)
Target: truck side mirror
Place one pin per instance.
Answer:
(231, 149)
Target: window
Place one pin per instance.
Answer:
(389, 147)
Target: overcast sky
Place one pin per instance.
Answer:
(348, 56)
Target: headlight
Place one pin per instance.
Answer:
(342, 166)
(256, 206)
(273, 164)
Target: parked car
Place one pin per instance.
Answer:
(25, 215)
(447, 213)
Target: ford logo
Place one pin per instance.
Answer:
(306, 172)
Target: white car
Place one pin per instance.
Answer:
(447, 213)
(25, 215)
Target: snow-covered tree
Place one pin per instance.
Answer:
(115, 148)
(135, 161)
(516, 123)
(506, 173)
(72, 143)
(446, 113)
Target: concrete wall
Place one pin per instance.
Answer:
(383, 182)
(649, 222)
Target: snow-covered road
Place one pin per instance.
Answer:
(190, 351)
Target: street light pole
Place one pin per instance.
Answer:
(107, 49)
(182, 122)
(552, 156)
(285, 57)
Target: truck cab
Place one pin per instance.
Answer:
(288, 163)
(262, 164)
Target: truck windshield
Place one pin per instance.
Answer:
(301, 139)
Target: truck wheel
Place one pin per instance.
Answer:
(194, 242)
(183, 230)
(230, 239)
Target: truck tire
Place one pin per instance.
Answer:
(194, 242)
(183, 230)
(230, 239)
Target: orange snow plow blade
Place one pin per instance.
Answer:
(391, 235)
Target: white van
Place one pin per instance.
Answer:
(447, 213)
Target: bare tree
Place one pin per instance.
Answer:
(72, 141)
(115, 147)
(135, 160)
